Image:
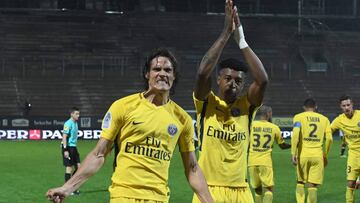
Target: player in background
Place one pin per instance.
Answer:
(343, 144)
(310, 131)
(144, 129)
(349, 123)
(224, 118)
(262, 137)
(70, 154)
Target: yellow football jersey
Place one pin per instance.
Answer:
(351, 130)
(262, 137)
(309, 132)
(146, 136)
(224, 136)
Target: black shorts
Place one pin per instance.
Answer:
(74, 157)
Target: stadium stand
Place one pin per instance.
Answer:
(59, 59)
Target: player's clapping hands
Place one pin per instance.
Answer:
(230, 14)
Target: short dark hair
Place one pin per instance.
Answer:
(344, 97)
(232, 64)
(72, 109)
(264, 110)
(310, 103)
(157, 53)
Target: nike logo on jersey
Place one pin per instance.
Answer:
(136, 123)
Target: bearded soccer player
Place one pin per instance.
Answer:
(349, 123)
(70, 154)
(224, 118)
(144, 129)
(310, 131)
(262, 137)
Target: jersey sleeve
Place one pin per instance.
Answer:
(199, 104)
(67, 128)
(279, 139)
(113, 121)
(335, 125)
(186, 139)
(328, 138)
(245, 103)
(295, 135)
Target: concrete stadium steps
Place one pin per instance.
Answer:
(10, 103)
(58, 59)
(54, 96)
(285, 96)
(130, 36)
(50, 97)
(347, 45)
(328, 93)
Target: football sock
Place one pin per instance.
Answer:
(300, 193)
(268, 197)
(258, 198)
(349, 195)
(312, 195)
(342, 151)
(67, 176)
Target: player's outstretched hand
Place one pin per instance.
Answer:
(237, 22)
(230, 12)
(239, 31)
(294, 160)
(57, 194)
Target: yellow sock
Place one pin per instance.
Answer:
(258, 198)
(349, 195)
(300, 193)
(268, 197)
(312, 195)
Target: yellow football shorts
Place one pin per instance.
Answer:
(132, 200)
(261, 176)
(310, 170)
(229, 195)
(353, 167)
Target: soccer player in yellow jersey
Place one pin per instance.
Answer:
(310, 131)
(144, 128)
(224, 118)
(262, 137)
(349, 123)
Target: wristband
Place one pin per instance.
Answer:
(241, 38)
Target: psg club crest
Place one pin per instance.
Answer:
(172, 130)
(107, 120)
(235, 112)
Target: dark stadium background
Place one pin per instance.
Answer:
(55, 54)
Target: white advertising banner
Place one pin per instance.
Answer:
(36, 134)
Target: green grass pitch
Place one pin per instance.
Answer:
(29, 168)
